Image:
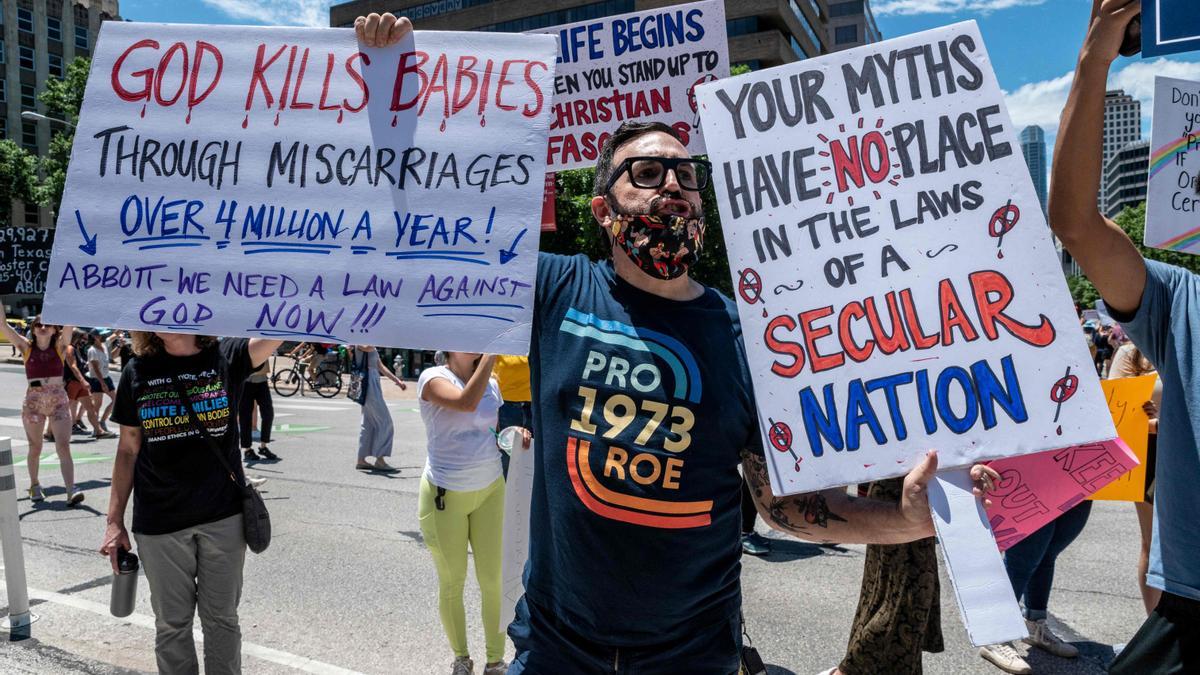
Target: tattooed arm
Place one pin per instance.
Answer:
(834, 516)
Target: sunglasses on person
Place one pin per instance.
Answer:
(649, 173)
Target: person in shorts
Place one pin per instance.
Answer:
(46, 400)
(79, 390)
(99, 377)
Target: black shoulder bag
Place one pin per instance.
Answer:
(357, 391)
(256, 522)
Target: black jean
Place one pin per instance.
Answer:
(260, 393)
(547, 646)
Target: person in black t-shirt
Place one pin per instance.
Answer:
(187, 509)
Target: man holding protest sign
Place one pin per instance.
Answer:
(1155, 304)
(645, 576)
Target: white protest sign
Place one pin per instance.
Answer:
(288, 182)
(518, 492)
(981, 587)
(639, 66)
(1173, 192)
(897, 284)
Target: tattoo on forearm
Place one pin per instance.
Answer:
(795, 514)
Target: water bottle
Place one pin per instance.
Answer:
(124, 585)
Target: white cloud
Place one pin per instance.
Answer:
(1042, 103)
(910, 7)
(276, 12)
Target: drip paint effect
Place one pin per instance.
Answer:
(1003, 220)
(245, 121)
(276, 119)
(750, 288)
(393, 120)
(1064, 388)
(143, 113)
(341, 113)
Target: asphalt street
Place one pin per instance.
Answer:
(348, 586)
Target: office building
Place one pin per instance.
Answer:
(40, 38)
(1125, 178)
(761, 33)
(1033, 148)
(851, 24)
(1122, 126)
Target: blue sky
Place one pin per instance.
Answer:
(1033, 43)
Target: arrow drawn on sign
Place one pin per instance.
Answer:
(89, 243)
(506, 255)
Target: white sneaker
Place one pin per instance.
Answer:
(497, 668)
(1040, 635)
(35, 493)
(463, 666)
(1004, 657)
(255, 482)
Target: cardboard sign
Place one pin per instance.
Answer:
(24, 259)
(290, 182)
(897, 284)
(1173, 192)
(1126, 396)
(1035, 489)
(518, 492)
(1169, 27)
(981, 587)
(640, 66)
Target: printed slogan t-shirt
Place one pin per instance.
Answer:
(642, 408)
(177, 482)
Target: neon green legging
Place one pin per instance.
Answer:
(478, 517)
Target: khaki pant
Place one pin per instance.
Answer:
(196, 568)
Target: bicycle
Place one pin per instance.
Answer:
(327, 382)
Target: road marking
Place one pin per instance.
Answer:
(51, 459)
(11, 422)
(296, 428)
(316, 407)
(248, 648)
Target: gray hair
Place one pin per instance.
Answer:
(439, 358)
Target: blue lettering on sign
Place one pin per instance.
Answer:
(656, 31)
(177, 316)
(573, 39)
(977, 386)
(161, 223)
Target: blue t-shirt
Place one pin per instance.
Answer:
(1166, 327)
(642, 408)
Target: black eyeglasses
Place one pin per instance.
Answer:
(651, 172)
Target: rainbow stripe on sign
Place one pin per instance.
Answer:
(1162, 157)
(1159, 160)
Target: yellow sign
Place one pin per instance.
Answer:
(1126, 396)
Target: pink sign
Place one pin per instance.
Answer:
(1035, 489)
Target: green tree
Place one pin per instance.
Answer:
(1082, 291)
(63, 99)
(18, 177)
(1133, 221)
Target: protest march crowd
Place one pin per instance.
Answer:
(644, 581)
